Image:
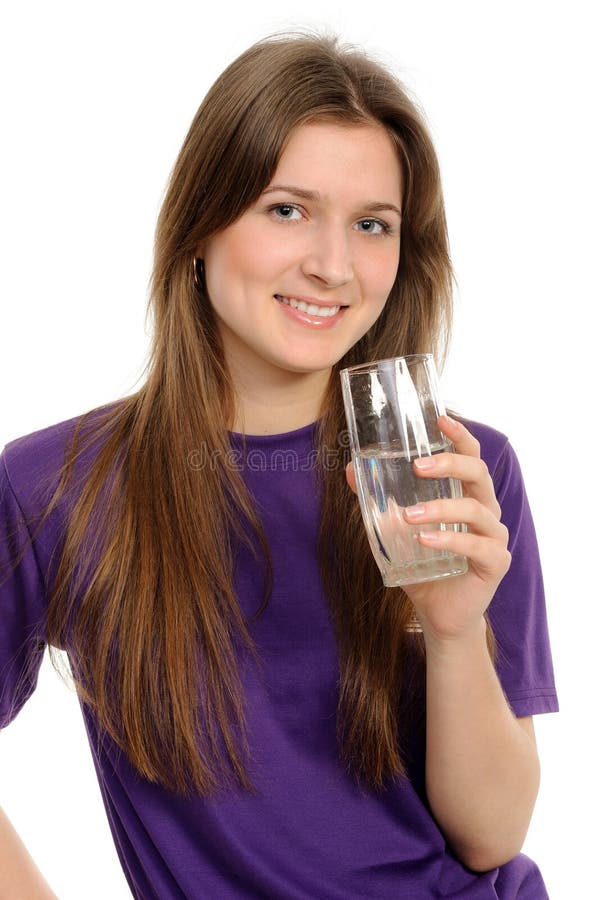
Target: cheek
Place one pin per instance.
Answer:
(226, 265)
(244, 261)
(381, 278)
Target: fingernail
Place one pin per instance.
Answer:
(449, 419)
(415, 511)
(424, 462)
(429, 535)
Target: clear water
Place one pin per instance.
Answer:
(386, 485)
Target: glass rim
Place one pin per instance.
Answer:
(377, 363)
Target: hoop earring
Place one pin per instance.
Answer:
(198, 272)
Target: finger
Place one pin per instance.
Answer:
(472, 471)
(487, 556)
(463, 441)
(351, 477)
(464, 510)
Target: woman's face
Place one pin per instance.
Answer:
(303, 274)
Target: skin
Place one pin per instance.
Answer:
(20, 879)
(482, 770)
(332, 249)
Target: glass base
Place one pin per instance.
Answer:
(425, 570)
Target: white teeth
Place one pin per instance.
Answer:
(309, 308)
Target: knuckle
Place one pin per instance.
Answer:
(436, 508)
(443, 460)
(471, 506)
(441, 509)
(451, 506)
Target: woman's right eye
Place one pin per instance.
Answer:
(283, 212)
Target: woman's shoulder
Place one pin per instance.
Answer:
(31, 463)
(35, 445)
(501, 460)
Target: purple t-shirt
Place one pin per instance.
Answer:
(310, 832)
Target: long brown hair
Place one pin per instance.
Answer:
(143, 598)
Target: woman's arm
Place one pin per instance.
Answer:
(482, 768)
(20, 879)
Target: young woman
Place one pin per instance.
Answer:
(264, 721)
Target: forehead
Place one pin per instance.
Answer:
(334, 158)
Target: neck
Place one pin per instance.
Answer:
(277, 402)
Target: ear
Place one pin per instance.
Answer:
(351, 477)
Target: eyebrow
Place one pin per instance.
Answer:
(376, 205)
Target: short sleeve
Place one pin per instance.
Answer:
(22, 605)
(517, 612)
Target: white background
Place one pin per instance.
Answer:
(96, 102)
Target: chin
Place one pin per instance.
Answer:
(302, 365)
(308, 368)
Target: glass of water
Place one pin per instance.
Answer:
(392, 407)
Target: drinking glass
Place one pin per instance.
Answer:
(392, 407)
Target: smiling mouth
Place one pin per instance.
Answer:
(310, 308)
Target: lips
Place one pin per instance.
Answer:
(322, 319)
(309, 307)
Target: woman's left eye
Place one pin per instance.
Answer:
(375, 226)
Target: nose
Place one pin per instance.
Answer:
(328, 259)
